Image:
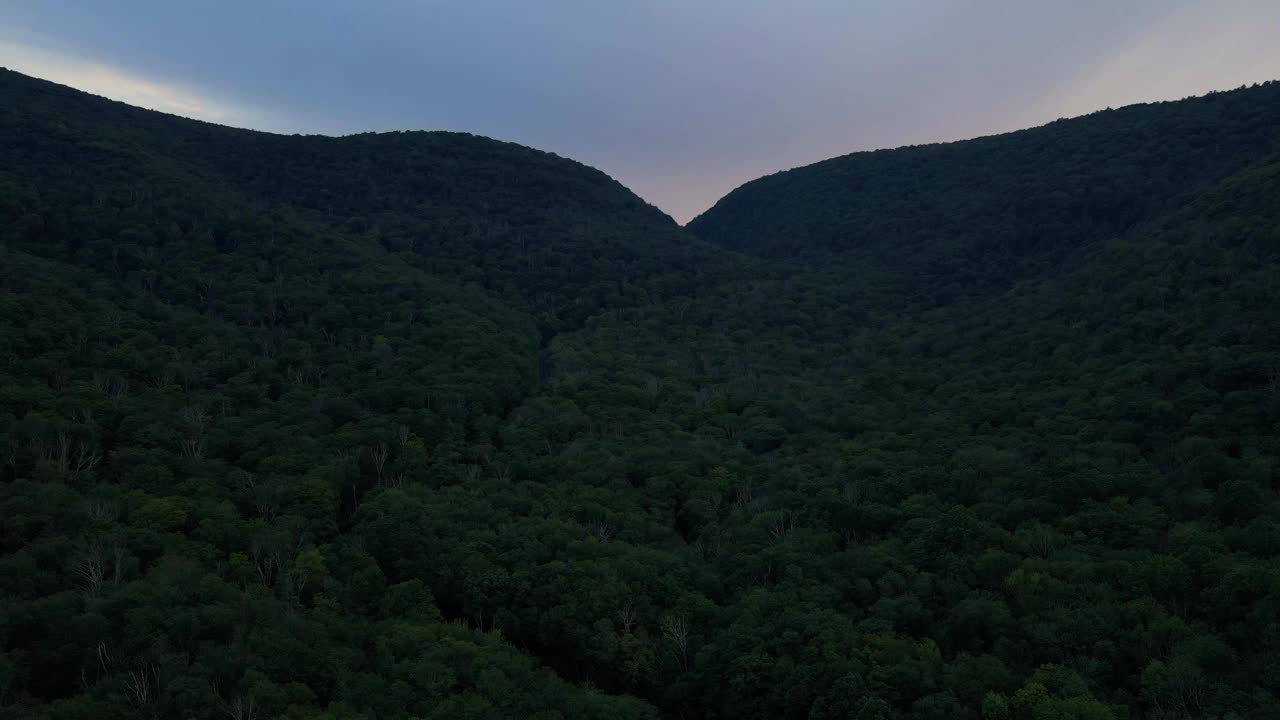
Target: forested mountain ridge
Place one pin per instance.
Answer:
(426, 425)
(154, 264)
(499, 214)
(1019, 193)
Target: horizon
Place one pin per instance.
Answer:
(681, 105)
(682, 223)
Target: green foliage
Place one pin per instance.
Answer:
(427, 425)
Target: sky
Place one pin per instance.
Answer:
(680, 100)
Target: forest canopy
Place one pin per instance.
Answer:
(429, 425)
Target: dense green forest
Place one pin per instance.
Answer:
(429, 425)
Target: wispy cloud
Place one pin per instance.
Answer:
(1200, 48)
(133, 89)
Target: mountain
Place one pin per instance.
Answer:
(430, 425)
(1016, 194)
(221, 342)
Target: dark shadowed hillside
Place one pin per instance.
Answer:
(1016, 194)
(429, 425)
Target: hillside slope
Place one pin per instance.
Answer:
(525, 224)
(1020, 193)
(219, 343)
(427, 425)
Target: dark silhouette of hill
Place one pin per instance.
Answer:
(1020, 193)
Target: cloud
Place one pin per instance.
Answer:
(118, 84)
(1201, 48)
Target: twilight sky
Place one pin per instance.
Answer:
(681, 100)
